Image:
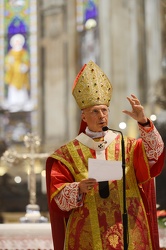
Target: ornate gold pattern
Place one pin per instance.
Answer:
(92, 87)
(99, 221)
(97, 244)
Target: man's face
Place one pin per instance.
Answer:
(96, 117)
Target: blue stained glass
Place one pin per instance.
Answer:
(17, 26)
(91, 10)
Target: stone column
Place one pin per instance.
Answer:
(153, 47)
(119, 52)
(58, 59)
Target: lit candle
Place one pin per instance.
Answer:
(43, 182)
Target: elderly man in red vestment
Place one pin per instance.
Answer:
(82, 218)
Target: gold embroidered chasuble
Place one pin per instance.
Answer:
(98, 223)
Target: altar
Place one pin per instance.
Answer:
(27, 236)
(37, 236)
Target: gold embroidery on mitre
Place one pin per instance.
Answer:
(92, 87)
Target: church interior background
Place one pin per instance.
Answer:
(43, 44)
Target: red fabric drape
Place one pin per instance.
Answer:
(58, 218)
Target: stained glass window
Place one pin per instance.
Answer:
(87, 27)
(87, 14)
(18, 74)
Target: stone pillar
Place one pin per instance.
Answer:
(72, 109)
(58, 70)
(153, 47)
(119, 52)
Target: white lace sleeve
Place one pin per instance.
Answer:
(69, 197)
(153, 143)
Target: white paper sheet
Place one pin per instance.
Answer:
(104, 170)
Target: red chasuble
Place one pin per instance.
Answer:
(98, 223)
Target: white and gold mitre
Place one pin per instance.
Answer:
(92, 87)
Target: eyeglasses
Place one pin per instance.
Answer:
(96, 112)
